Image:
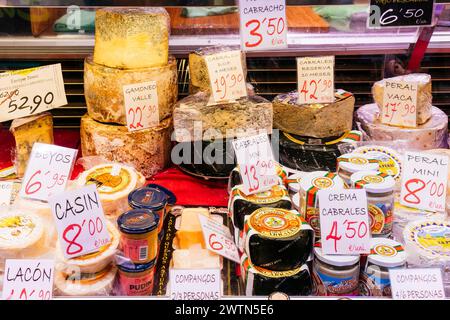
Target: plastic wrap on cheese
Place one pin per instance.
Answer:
(431, 135)
(195, 120)
(103, 89)
(129, 38)
(424, 96)
(146, 150)
(320, 120)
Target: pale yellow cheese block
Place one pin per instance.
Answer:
(195, 258)
(190, 233)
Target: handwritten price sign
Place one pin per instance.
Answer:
(256, 163)
(315, 79)
(399, 104)
(263, 24)
(28, 280)
(344, 221)
(226, 76)
(400, 13)
(195, 284)
(31, 91)
(424, 181)
(48, 171)
(141, 105)
(417, 284)
(80, 221)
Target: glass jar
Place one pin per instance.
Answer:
(138, 279)
(350, 163)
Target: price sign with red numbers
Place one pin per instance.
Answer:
(218, 238)
(48, 171)
(315, 79)
(31, 91)
(399, 104)
(424, 181)
(256, 163)
(263, 24)
(80, 221)
(141, 105)
(226, 75)
(344, 221)
(28, 279)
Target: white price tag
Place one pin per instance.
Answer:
(315, 80)
(263, 24)
(28, 279)
(218, 239)
(424, 181)
(195, 284)
(417, 284)
(399, 104)
(141, 105)
(31, 91)
(256, 163)
(226, 76)
(48, 171)
(80, 221)
(6, 189)
(344, 221)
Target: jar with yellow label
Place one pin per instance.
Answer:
(350, 163)
(380, 198)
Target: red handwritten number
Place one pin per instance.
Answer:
(215, 244)
(251, 177)
(334, 235)
(412, 193)
(77, 229)
(253, 32)
(35, 186)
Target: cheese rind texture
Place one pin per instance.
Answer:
(314, 120)
(195, 120)
(129, 38)
(424, 96)
(431, 135)
(198, 70)
(26, 132)
(146, 150)
(103, 89)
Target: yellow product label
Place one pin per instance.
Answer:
(322, 182)
(373, 179)
(274, 223)
(14, 227)
(385, 250)
(270, 196)
(358, 160)
(389, 167)
(313, 218)
(435, 238)
(277, 274)
(376, 217)
(106, 182)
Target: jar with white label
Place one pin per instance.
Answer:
(350, 163)
(380, 198)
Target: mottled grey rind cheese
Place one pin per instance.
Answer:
(128, 38)
(424, 96)
(195, 120)
(146, 150)
(198, 71)
(320, 120)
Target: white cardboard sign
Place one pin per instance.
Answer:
(399, 104)
(315, 80)
(195, 284)
(141, 105)
(417, 284)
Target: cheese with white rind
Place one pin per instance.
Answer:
(103, 89)
(195, 120)
(424, 96)
(431, 135)
(146, 150)
(319, 120)
(198, 70)
(129, 38)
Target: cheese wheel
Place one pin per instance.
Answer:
(91, 262)
(103, 89)
(147, 150)
(195, 120)
(431, 135)
(314, 120)
(424, 96)
(129, 38)
(198, 70)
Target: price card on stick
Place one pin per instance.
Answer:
(424, 181)
(141, 105)
(28, 279)
(263, 24)
(48, 171)
(417, 284)
(399, 104)
(256, 163)
(315, 79)
(80, 221)
(218, 238)
(226, 75)
(31, 91)
(195, 284)
(344, 221)
(6, 189)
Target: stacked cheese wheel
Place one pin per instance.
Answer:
(131, 48)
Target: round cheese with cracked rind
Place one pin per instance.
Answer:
(103, 89)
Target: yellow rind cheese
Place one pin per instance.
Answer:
(190, 233)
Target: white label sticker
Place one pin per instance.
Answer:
(141, 105)
(315, 80)
(399, 104)
(195, 284)
(417, 284)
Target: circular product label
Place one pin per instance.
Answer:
(275, 223)
(377, 220)
(16, 227)
(373, 179)
(106, 182)
(358, 160)
(433, 237)
(322, 182)
(270, 196)
(313, 218)
(389, 159)
(385, 250)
